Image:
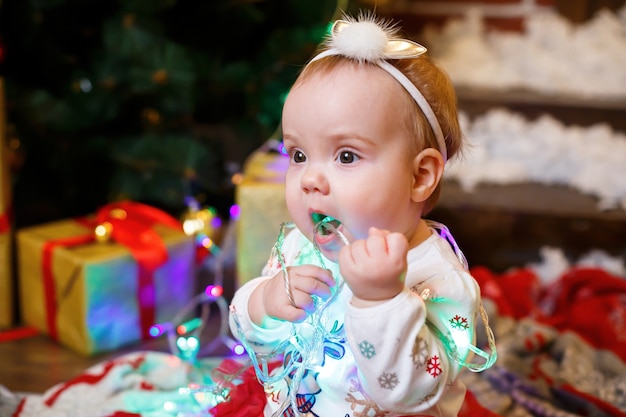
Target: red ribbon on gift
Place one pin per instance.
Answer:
(129, 224)
(5, 221)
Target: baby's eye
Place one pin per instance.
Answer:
(298, 156)
(347, 157)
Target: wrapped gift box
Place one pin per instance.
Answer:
(7, 305)
(95, 296)
(6, 282)
(261, 200)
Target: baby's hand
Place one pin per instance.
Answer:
(374, 268)
(270, 298)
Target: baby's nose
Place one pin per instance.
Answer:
(314, 180)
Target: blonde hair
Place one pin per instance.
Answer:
(436, 87)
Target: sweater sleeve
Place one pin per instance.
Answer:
(402, 346)
(263, 339)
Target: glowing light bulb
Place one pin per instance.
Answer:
(103, 232)
(239, 350)
(157, 330)
(216, 222)
(235, 211)
(188, 347)
(233, 345)
(169, 406)
(214, 291)
(207, 242)
(192, 226)
(189, 326)
(237, 178)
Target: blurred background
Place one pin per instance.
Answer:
(144, 100)
(159, 100)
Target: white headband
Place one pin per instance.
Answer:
(368, 40)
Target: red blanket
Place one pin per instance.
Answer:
(562, 347)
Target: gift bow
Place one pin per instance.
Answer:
(132, 224)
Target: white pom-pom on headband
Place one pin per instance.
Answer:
(368, 40)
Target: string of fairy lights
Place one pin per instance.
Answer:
(184, 330)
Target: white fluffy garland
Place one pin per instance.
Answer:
(506, 148)
(552, 56)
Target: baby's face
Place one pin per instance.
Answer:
(349, 156)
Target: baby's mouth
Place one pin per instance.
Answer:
(324, 224)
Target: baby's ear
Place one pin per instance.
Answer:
(427, 172)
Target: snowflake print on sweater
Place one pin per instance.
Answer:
(420, 352)
(388, 380)
(367, 349)
(459, 323)
(363, 407)
(433, 366)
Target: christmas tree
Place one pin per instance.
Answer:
(147, 100)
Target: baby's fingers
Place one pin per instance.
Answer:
(397, 245)
(303, 283)
(376, 242)
(311, 280)
(374, 231)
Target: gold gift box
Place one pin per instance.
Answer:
(6, 282)
(96, 285)
(262, 208)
